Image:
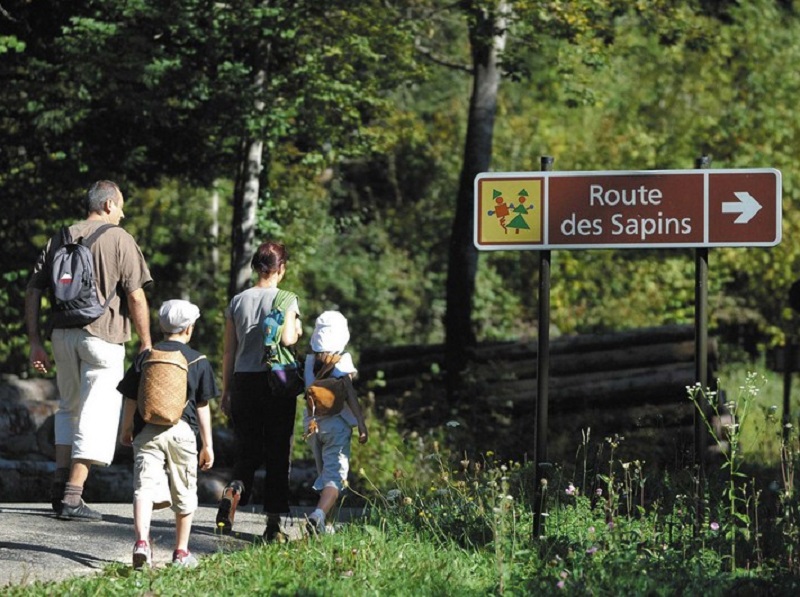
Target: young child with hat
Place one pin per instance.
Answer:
(330, 439)
(167, 455)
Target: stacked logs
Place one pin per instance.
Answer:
(630, 383)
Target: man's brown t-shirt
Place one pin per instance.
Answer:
(118, 264)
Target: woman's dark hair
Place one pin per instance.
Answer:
(269, 257)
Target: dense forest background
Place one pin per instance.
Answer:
(344, 128)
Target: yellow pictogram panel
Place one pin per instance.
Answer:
(510, 211)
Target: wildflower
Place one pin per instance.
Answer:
(592, 549)
(452, 423)
(591, 529)
(570, 490)
(611, 526)
(564, 574)
(714, 526)
(560, 584)
(599, 492)
(407, 501)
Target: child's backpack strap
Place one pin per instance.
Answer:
(324, 363)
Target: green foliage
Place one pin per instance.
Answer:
(364, 155)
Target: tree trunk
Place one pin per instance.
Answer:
(213, 231)
(245, 205)
(487, 38)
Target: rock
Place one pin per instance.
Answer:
(25, 406)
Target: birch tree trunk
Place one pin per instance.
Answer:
(245, 205)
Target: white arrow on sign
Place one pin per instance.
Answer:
(747, 207)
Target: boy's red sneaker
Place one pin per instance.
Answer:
(184, 559)
(142, 555)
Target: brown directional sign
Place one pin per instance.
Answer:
(626, 210)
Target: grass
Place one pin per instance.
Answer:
(464, 527)
(761, 437)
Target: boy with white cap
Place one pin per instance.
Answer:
(167, 455)
(330, 442)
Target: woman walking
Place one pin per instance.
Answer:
(262, 415)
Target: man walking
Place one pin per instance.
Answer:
(90, 356)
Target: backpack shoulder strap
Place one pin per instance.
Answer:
(324, 363)
(66, 236)
(283, 299)
(200, 358)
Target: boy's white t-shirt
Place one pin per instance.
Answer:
(345, 366)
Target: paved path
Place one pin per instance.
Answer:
(35, 545)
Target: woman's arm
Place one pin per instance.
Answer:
(231, 342)
(292, 330)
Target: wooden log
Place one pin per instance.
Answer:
(517, 381)
(484, 351)
(401, 367)
(609, 361)
(650, 384)
(401, 360)
(589, 343)
(509, 365)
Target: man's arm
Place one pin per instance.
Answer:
(38, 357)
(140, 316)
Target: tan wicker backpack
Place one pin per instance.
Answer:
(162, 387)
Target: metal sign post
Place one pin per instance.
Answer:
(542, 383)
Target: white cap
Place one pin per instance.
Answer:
(330, 333)
(176, 315)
